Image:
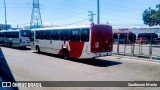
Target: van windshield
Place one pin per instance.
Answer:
(25, 33)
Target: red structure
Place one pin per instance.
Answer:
(124, 36)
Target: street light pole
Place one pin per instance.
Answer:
(5, 14)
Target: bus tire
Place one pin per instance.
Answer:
(7, 44)
(10, 45)
(65, 54)
(24, 47)
(38, 50)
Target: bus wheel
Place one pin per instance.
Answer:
(38, 49)
(10, 45)
(7, 45)
(65, 54)
(24, 47)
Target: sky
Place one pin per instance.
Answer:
(118, 13)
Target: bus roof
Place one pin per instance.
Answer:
(64, 27)
(10, 30)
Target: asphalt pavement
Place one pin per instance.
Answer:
(28, 65)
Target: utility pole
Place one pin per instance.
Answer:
(51, 24)
(36, 21)
(91, 15)
(98, 12)
(17, 26)
(5, 14)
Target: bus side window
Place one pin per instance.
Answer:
(1, 34)
(41, 35)
(55, 35)
(75, 35)
(7, 34)
(85, 34)
(37, 34)
(11, 34)
(16, 34)
(47, 35)
(64, 35)
(4, 34)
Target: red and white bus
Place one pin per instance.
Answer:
(88, 41)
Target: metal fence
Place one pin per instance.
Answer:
(137, 50)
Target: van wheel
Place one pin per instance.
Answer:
(65, 54)
(38, 50)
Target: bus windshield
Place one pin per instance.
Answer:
(25, 33)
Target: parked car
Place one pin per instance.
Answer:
(156, 41)
(142, 40)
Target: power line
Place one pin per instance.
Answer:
(59, 10)
(103, 8)
(77, 22)
(68, 13)
(89, 4)
(120, 16)
(133, 2)
(18, 7)
(13, 3)
(62, 18)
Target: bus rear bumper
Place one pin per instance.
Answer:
(94, 55)
(102, 54)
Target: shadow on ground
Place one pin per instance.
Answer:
(5, 72)
(18, 48)
(92, 62)
(24, 49)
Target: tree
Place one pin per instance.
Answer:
(157, 16)
(151, 17)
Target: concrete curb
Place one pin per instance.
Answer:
(137, 58)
